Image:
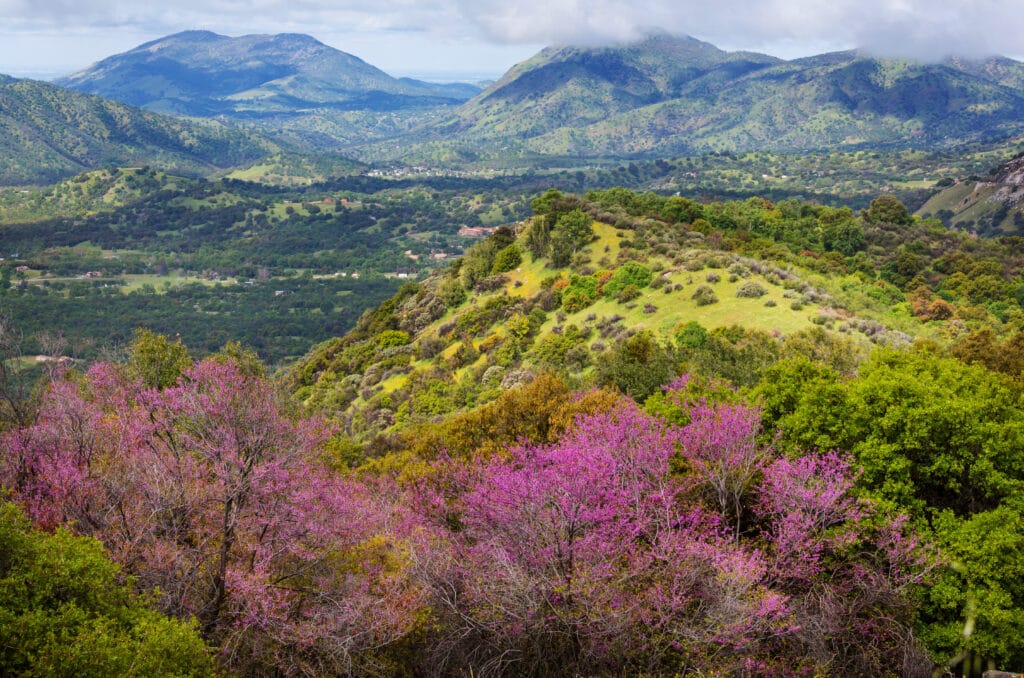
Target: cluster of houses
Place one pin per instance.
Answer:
(418, 170)
(477, 231)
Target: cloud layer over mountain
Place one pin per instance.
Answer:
(927, 29)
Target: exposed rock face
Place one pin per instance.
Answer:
(1011, 173)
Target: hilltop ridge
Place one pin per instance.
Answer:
(48, 133)
(726, 288)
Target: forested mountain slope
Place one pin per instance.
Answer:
(667, 95)
(48, 133)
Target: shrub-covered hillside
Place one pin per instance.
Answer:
(623, 289)
(993, 205)
(48, 133)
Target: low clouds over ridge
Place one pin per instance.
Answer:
(927, 29)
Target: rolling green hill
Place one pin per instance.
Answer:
(726, 289)
(48, 133)
(205, 74)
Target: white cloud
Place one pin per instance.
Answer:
(923, 28)
(914, 28)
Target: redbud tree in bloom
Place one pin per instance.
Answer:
(593, 555)
(209, 495)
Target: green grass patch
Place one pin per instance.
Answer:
(136, 281)
(529, 273)
(393, 383)
(607, 237)
(678, 308)
(949, 199)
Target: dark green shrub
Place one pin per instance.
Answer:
(628, 293)
(704, 296)
(630, 273)
(751, 289)
(507, 259)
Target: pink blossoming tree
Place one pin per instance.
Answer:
(209, 495)
(592, 555)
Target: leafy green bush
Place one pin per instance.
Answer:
(630, 273)
(392, 338)
(575, 300)
(572, 231)
(704, 296)
(507, 259)
(581, 292)
(889, 210)
(451, 292)
(692, 335)
(942, 442)
(628, 293)
(65, 610)
(636, 366)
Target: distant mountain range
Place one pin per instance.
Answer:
(673, 96)
(48, 133)
(201, 73)
(661, 97)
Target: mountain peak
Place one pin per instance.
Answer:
(296, 39)
(198, 44)
(203, 73)
(186, 37)
(577, 86)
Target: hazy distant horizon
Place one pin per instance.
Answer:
(50, 55)
(441, 76)
(468, 38)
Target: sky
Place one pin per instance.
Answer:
(467, 39)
